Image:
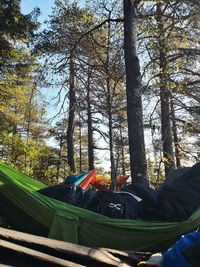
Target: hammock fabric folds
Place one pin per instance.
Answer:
(27, 210)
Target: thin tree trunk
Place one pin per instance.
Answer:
(176, 141)
(138, 162)
(60, 158)
(110, 119)
(122, 152)
(90, 129)
(14, 149)
(166, 130)
(72, 108)
(28, 125)
(167, 140)
(80, 142)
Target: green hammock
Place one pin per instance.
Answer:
(27, 210)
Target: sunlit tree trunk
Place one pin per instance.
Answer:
(138, 162)
(165, 94)
(71, 116)
(122, 151)
(29, 125)
(90, 130)
(110, 115)
(80, 142)
(175, 135)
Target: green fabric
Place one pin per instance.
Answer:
(76, 225)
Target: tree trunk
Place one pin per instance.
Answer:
(14, 148)
(138, 162)
(122, 151)
(59, 162)
(80, 141)
(90, 130)
(110, 117)
(72, 108)
(164, 98)
(176, 141)
(28, 125)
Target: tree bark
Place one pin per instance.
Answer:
(28, 125)
(60, 157)
(90, 130)
(71, 116)
(176, 140)
(110, 116)
(138, 162)
(165, 94)
(80, 141)
(122, 151)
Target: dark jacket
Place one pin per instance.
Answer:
(193, 254)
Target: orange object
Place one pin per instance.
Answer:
(101, 182)
(121, 179)
(104, 182)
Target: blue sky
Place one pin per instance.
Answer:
(46, 9)
(45, 6)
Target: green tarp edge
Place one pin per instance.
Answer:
(72, 224)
